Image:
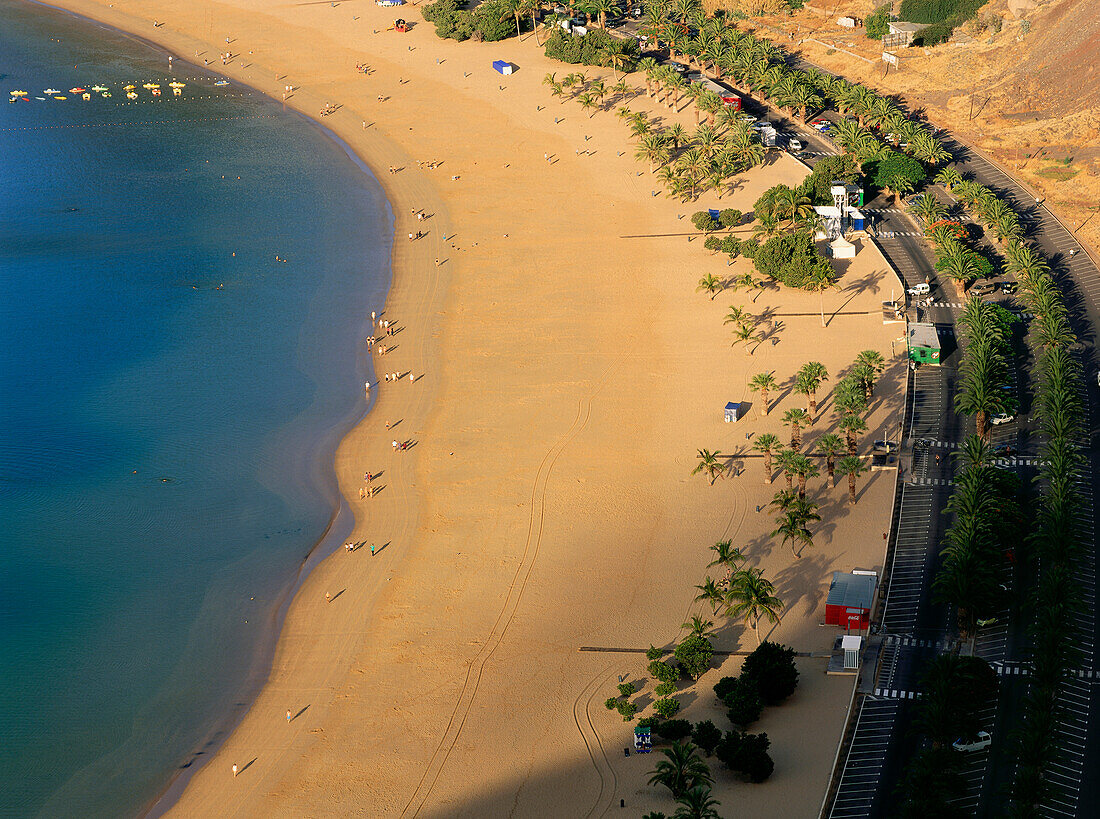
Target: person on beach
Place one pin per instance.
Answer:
(395, 446)
(372, 550)
(234, 769)
(362, 493)
(288, 717)
(328, 597)
(411, 379)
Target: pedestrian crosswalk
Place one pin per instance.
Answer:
(914, 642)
(931, 482)
(882, 210)
(894, 234)
(959, 305)
(896, 694)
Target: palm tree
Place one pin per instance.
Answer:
(869, 363)
(853, 467)
(792, 206)
(712, 593)
(808, 380)
(653, 149)
(784, 460)
(677, 135)
(682, 770)
(803, 468)
(763, 383)
(792, 528)
(726, 555)
(949, 178)
(796, 418)
(766, 443)
(960, 266)
(752, 597)
(711, 284)
(602, 8)
(696, 803)
(745, 335)
(981, 398)
(697, 625)
(738, 315)
(819, 278)
(830, 445)
(852, 425)
(710, 463)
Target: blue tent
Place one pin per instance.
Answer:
(502, 66)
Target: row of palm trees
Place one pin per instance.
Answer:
(591, 93)
(984, 371)
(756, 67)
(1056, 543)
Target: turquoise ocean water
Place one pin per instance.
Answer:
(171, 394)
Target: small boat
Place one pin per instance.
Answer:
(85, 96)
(150, 85)
(51, 91)
(19, 93)
(99, 89)
(156, 92)
(131, 95)
(76, 90)
(129, 87)
(105, 94)
(222, 82)
(40, 98)
(59, 98)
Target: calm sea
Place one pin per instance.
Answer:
(185, 283)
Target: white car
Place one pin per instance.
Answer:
(794, 144)
(983, 741)
(922, 289)
(1001, 418)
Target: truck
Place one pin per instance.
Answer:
(728, 97)
(768, 136)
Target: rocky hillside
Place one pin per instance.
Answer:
(1022, 83)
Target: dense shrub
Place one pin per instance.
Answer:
(771, 668)
(694, 654)
(673, 729)
(877, 24)
(747, 754)
(594, 48)
(944, 16)
(490, 21)
(730, 217)
(653, 653)
(713, 243)
(744, 703)
(665, 689)
(724, 686)
(790, 258)
(895, 171)
(706, 735)
(817, 185)
(666, 707)
(627, 709)
(663, 672)
(704, 221)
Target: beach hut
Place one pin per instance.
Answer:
(503, 66)
(643, 740)
(851, 595)
(733, 410)
(390, 2)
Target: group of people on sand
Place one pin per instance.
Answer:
(423, 163)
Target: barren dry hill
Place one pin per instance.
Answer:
(1022, 83)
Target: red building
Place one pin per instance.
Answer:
(851, 596)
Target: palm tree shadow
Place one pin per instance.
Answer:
(802, 582)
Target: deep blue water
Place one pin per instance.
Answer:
(170, 399)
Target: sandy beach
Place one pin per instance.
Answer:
(565, 372)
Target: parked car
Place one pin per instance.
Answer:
(922, 289)
(761, 124)
(1001, 450)
(794, 144)
(982, 289)
(821, 124)
(983, 741)
(1001, 418)
(1007, 287)
(886, 446)
(987, 621)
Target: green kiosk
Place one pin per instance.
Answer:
(924, 344)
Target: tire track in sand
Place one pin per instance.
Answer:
(590, 688)
(504, 619)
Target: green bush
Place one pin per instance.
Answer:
(594, 48)
(492, 22)
(933, 35)
(654, 653)
(611, 703)
(939, 11)
(706, 735)
(730, 217)
(649, 722)
(713, 243)
(730, 245)
(790, 258)
(450, 19)
(663, 672)
(627, 709)
(895, 170)
(817, 185)
(627, 688)
(704, 221)
(694, 655)
(877, 24)
(744, 703)
(665, 689)
(724, 686)
(749, 248)
(666, 707)
(747, 754)
(771, 669)
(673, 729)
